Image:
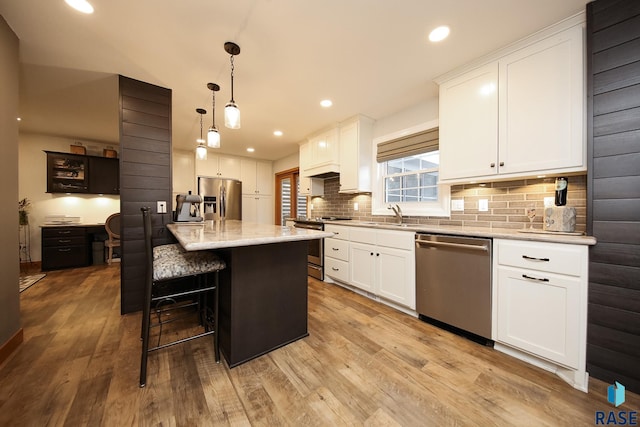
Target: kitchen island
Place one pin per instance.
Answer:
(263, 290)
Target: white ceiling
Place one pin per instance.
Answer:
(369, 56)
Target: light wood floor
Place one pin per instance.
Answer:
(363, 364)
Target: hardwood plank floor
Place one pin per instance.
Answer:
(362, 364)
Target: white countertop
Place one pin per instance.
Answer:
(234, 233)
(495, 233)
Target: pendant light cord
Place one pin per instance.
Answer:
(232, 68)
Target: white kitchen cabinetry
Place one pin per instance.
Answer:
(468, 124)
(219, 166)
(322, 155)
(308, 186)
(257, 177)
(258, 209)
(355, 141)
(382, 262)
(336, 253)
(540, 293)
(520, 115)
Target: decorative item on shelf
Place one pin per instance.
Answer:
(231, 110)
(23, 211)
(213, 136)
(201, 148)
(110, 152)
(78, 148)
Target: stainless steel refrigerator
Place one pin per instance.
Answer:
(221, 198)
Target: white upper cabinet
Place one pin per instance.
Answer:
(256, 176)
(355, 140)
(219, 166)
(308, 186)
(469, 124)
(518, 116)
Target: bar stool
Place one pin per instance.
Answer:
(167, 263)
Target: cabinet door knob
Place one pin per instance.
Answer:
(371, 254)
(501, 163)
(493, 165)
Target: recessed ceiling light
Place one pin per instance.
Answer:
(80, 5)
(277, 132)
(439, 33)
(251, 149)
(19, 119)
(326, 103)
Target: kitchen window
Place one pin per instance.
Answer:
(407, 174)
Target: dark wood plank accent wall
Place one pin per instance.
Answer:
(613, 195)
(145, 178)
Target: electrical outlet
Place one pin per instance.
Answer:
(355, 206)
(457, 204)
(162, 207)
(483, 205)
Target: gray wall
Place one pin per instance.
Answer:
(9, 259)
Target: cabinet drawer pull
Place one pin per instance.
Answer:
(64, 240)
(335, 249)
(535, 278)
(64, 232)
(335, 269)
(64, 250)
(535, 259)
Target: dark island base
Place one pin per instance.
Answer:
(263, 299)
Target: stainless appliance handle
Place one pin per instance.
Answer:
(482, 248)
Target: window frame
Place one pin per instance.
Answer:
(439, 208)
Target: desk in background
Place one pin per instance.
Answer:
(70, 245)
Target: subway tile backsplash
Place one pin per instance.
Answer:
(508, 201)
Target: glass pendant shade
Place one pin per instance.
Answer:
(232, 116)
(213, 138)
(201, 150)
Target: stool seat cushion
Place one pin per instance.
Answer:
(167, 250)
(186, 264)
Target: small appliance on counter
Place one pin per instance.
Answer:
(560, 217)
(188, 208)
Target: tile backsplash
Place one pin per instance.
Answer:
(507, 200)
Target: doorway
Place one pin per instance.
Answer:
(289, 202)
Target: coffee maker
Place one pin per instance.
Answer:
(188, 208)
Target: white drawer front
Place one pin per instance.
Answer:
(363, 235)
(336, 269)
(339, 232)
(541, 256)
(335, 248)
(396, 239)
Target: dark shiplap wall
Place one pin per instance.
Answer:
(145, 177)
(613, 199)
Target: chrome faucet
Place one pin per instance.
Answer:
(397, 212)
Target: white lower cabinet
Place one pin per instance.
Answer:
(541, 298)
(379, 262)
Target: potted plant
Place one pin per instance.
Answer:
(23, 211)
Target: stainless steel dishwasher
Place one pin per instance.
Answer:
(453, 282)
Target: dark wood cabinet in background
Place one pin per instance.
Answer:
(75, 173)
(104, 175)
(64, 247)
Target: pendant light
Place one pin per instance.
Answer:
(201, 149)
(231, 110)
(213, 136)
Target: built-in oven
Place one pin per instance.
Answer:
(315, 255)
